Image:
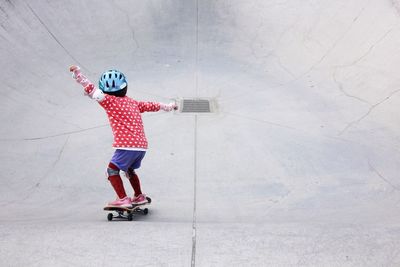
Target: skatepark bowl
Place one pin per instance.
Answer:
(285, 150)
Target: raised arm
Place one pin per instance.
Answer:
(88, 87)
(154, 106)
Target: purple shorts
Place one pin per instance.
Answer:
(125, 159)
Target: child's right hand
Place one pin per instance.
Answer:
(80, 78)
(73, 68)
(75, 71)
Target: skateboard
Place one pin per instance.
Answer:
(127, 213)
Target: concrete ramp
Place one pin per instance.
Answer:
(297, 165)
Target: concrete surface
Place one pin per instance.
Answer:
(299, 165)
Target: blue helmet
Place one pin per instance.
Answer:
(112, 81)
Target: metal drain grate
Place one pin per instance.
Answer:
(196, 106)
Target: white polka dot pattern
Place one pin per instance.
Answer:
(126, 120)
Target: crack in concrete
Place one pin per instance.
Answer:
(51, 136)
(55, 38)
(133, 35)
(369, 50)
(325, 55)
(32, 189)
(195, 152)
(259, 120)
(65, 133)
(60, 153)
(341, 88)
(271, 53)
(287, 127)
(334, 45)
(355, 122)
(383, 178)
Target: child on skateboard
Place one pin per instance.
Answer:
(124, 114)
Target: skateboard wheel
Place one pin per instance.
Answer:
(110, 216)
(145, 211)
(148, 200)
(130, 216)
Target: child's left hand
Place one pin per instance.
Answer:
(168, 107)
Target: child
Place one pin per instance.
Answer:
(126, 122)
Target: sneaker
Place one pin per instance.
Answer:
(140, 199)
(125, 202)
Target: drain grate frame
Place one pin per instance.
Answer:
(196, 105)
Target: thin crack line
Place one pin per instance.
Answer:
(194, 221)
(371, 48)
(52, 136)
(332, 47)
(382, 177)
(316, 63)
(128, 19)
(351, 124)
(66, 133)
(32, 189)
(259, 120)
(55, 38)
(336, 43)
(341, 88)
(289, 127)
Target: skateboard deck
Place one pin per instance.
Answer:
(127, 213)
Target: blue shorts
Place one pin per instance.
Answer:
(125, 159)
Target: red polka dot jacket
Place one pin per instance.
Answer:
(124, 114)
